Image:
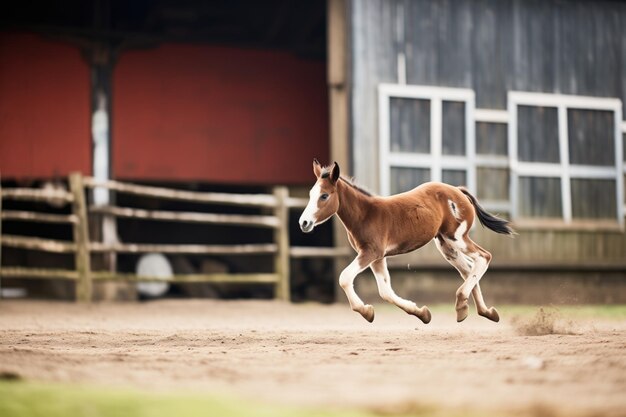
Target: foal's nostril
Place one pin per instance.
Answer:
(305, 224)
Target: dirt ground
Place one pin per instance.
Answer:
(328, 356)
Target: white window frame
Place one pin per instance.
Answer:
(564, 170)
(435, 160)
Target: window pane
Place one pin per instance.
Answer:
(593, 199)
(538, 134)
(454, 177)
(493, 183)
(405, 179)
(453, 128)
(491, 138)
(540, 197)
(591, 137)
(624, 147)
(410, 125)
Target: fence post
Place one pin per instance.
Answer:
(0, 236)
(281, 237)
(81, 239)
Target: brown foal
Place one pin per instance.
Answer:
(386, 226)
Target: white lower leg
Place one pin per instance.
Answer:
(478, 270)
(481, 307)
(383, 280)
(346, 281)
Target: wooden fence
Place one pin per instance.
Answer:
(279, 203)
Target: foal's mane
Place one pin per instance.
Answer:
(356, 187)
(348, 181)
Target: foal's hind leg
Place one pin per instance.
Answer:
(464, 264)
(481, 259)
(383, 280)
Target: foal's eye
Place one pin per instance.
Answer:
(324, 197)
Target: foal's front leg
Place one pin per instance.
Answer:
(346, 281)
(383, 280)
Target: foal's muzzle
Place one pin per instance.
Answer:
(306, 226)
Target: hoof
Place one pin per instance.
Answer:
(462, 312)
(423, 314)
(368, 313)
(491, 314)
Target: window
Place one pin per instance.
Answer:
(436, 134)
(565, 157)
(426, 134)
(547, 156)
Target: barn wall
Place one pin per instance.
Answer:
(44, 108)
(491, 46)
(216, 114)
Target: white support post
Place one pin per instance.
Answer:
(566, 193)
(383, 140)
(470, 143)
(619, 163)
(435, 138)
(512, 144)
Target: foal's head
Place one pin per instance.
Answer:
(323, 198)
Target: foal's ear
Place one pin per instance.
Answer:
(334, 174)
(317, 168)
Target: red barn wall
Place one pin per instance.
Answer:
(217, 114)
(44, 108)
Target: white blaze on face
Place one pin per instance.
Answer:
(308, 218)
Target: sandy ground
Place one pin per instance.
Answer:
(322, 355)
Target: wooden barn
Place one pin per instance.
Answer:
(519, 100)
(221, 96)
(522, 102)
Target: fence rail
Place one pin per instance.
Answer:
(259, 200)
(230, 219)
(38, 217)
(279, 202)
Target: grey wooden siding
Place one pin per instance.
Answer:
(495, 46)
(492, 46)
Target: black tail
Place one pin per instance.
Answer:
(487, 219)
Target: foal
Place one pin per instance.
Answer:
(386, 226)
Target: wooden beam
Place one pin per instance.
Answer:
(32, 194)
(297, 202)
(38, 273)
(254, 200)
(81, 239)
(281, 237)
(339, 114)
(233, 219)
(318, 252)
(38, 217)
(260, 278)
(249, 249)
(0, 237)
(36, 243)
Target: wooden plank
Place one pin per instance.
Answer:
(233, 219)
(81, 238)
(46, 273)
(38, 217)
(256, 200)
(35, 195)
(36, 243)
(281, 237)
(247, 249)
(0, 236)
(253, 278)
(514, 266)
(319, 252)
(296, 202)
